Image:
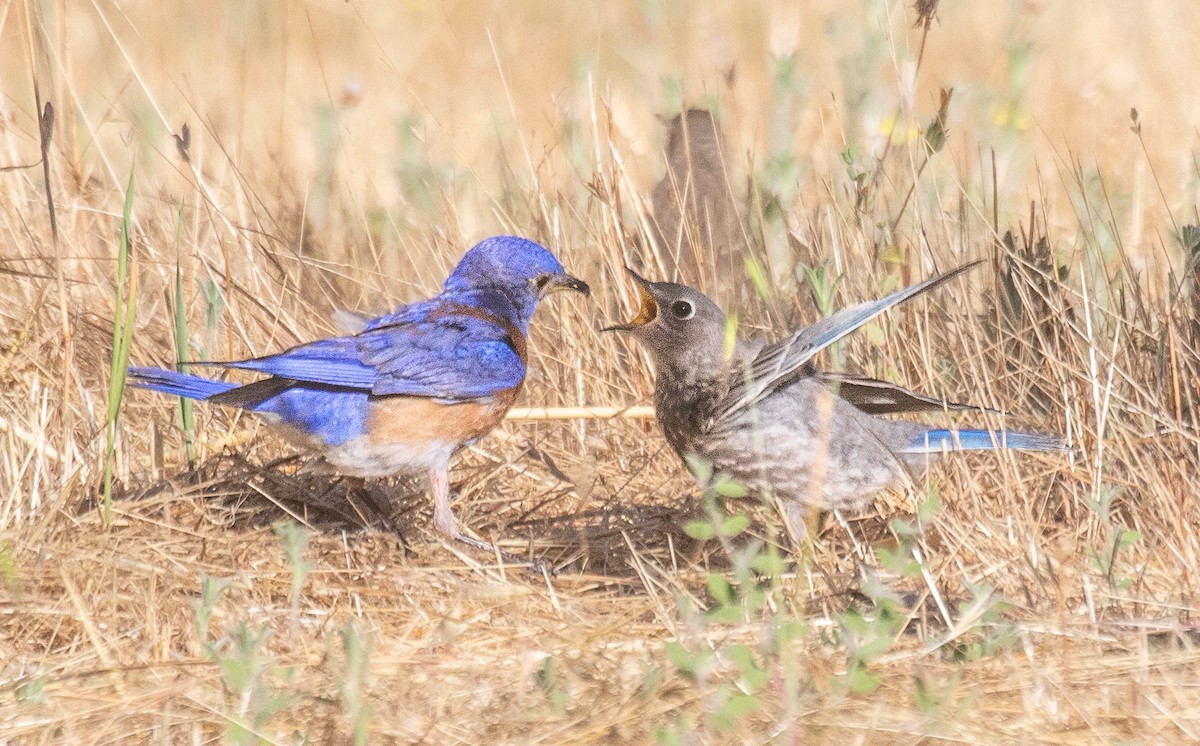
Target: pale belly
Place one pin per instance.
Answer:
(363, 457)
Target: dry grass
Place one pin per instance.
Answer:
(345, 154)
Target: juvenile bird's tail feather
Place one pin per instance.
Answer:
(177, 384)
(935, 441)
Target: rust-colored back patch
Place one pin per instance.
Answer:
(516, 339)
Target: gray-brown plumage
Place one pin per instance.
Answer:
(697, 220)
(768, 418)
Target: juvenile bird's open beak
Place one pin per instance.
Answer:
(567, 282)
(647, 313)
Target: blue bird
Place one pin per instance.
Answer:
(410, 388)
(768, 418)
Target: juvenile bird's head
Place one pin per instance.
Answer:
(682, 328)
(515, 269)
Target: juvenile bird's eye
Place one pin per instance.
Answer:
(682, 310)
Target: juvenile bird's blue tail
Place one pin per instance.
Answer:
(177, 384)
(935, 441)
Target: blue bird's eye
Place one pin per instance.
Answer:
(682, 310)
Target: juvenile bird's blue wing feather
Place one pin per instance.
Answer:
(777, 363)
(935, 441)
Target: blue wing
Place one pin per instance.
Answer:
(334, 362)
(432, 349)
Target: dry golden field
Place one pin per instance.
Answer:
(344, 155)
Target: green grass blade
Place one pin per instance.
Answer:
(187, 415)
(123, 318)
(182, 352)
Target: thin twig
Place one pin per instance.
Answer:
(580, 413)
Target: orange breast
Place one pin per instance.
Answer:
(415, 420)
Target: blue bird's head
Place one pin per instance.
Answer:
(512, 271)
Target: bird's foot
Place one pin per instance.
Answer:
(535, 565)
(444, 522)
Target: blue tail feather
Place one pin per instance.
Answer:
(177, 384)
(935, 441)
(334, 414)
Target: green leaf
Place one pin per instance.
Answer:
(652, 679)
(903, 528)
(731, 326)
(758, 278)
(874, 334)
(1128, 538)
(736, 707)
(755, 598)
(754, 680)
(675, 736)
(681, 657)
(700, 467)
(685, 661)
(900, 562)
(927, 700)
(872, 649)
(720, 589)
(31, 691)
(728, 487)
(210, 593)
(700, 530)
(742, 656)
(853, 621)
(182, 353)
(753, 677)
(936, 133)
(734, 525)
(790, 631)
(928, 508)
(769, 564)
(861, 681)
(214, 305)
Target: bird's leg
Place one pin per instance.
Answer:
(444, 521)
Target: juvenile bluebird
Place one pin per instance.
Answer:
(411, 388)
(768, 418)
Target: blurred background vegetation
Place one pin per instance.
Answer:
(381, 119)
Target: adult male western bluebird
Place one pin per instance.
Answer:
(412, 387)
(767, 418)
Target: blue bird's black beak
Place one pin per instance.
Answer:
(567, 282)
(556, 283)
